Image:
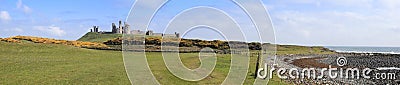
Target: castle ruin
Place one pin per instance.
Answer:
(95, 29)
(125, 29)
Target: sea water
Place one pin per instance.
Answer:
(350, 49)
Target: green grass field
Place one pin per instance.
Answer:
(100, 38)
(294, 49)
(191, 61)
(32, 63)
(97, 37)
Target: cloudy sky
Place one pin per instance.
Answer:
(337, 22)
(301, 22)
(60, 19)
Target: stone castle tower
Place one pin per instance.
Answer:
(121, 29)
(114, 28)
(95, 29)
(126, 29)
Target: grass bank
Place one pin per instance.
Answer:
(32, 63)
(35, 63)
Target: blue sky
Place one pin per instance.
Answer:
(302, 22)
(61, 19)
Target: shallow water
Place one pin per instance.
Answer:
(350, 49)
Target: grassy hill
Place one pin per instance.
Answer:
(294, 49)
(153, 40)
(98, 37)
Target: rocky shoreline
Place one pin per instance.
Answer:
(354, 60)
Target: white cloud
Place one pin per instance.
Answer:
(335, 28)
(19, 30)
(53, 30)
(19, 4)
(350, 3)
(359, 22)
(5, 16)
(23, 7)
(391, 4)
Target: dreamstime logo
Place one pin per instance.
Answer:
(341, 61)
(189, 18)
(331, 72)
